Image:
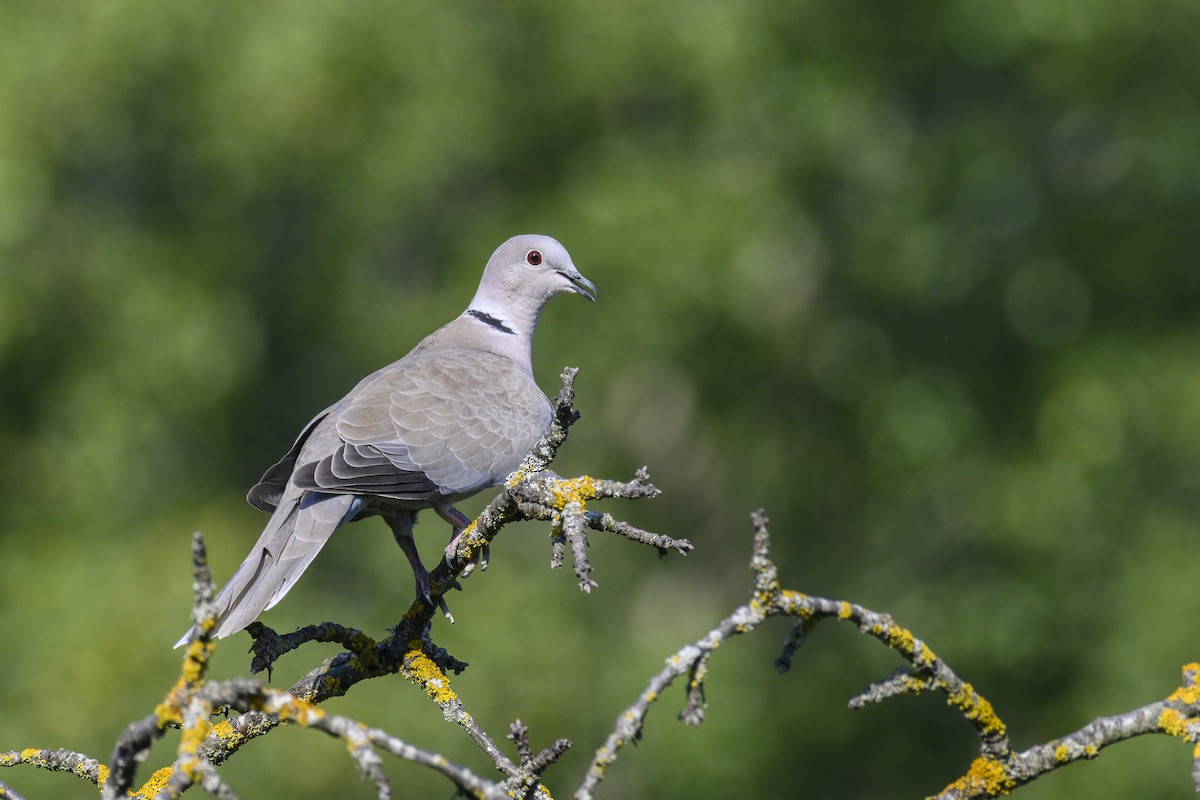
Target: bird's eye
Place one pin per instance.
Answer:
(533, 257)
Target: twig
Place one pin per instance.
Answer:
(8, 793)
(997, 771)
(1178, 715)
(58, 760)
(527, 784)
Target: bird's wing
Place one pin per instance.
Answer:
(265, 494)
(436, 422)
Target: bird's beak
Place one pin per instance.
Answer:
(582, 285)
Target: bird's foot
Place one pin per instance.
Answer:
(459, 522)
(480, 558)
(425, 594)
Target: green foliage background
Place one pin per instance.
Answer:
(922, 279)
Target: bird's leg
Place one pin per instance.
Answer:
(458, 523)
(402, 531)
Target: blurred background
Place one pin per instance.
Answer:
(921, 279)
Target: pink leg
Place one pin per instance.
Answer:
(458, 522)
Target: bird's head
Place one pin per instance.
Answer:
(528, 270)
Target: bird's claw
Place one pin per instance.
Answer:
(480, 558)
(425, 594)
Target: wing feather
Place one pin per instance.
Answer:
(450, 422)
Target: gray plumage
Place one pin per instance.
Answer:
(454, 416)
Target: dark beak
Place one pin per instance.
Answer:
(582, 285)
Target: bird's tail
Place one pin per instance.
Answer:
(296, 532)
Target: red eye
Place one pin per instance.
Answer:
(534, 257)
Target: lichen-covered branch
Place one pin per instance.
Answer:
(532, 492)
(195, 704)
(192, 703)
(1178, 715)
(58, 760)
(996, 772)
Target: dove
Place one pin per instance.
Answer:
(453, 417)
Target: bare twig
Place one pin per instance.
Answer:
(518, 734)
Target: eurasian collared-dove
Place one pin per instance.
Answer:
(454, 416)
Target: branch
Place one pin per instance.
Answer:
(78, 764)
(193, 701)
(994, 773)
(1178, 715)
(533, 492)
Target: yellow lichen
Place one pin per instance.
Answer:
(231, 738)
(154, 784)
(986, 777)
(845, 610)
(466, 541)
(1062, 754)
(976, 708)
(925, 656)
(196, 662)
(570, 490)
(82, 771)
(299, 711)
(193, 737)
(228, 735)
(901, 639)
(167, 713)
(1190, 692)
(1090, 750)
(421, 670)
(1172, 722)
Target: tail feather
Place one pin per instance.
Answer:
(296, 532)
